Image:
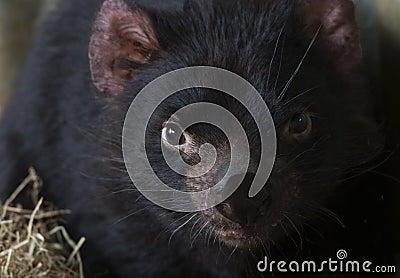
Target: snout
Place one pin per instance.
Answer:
(242, 209)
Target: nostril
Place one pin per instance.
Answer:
(245, 214)
(228, 211)
(225, 209)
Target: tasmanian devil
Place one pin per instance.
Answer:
(90, 60)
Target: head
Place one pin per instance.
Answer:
(303, 58)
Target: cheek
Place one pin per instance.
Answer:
(285, 185)
(285, 190)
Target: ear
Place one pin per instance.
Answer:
(339, 39)
(122, 40)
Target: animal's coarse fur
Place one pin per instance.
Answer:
(59, 123)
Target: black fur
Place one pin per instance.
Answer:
(71, 133)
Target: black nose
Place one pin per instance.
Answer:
(242, 209)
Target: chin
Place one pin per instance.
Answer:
(238, 235)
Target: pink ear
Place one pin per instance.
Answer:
(122, 40)
(339, 38)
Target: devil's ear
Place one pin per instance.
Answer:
(338, 40)
(122, 40)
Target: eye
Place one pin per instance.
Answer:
(173, 134)
(299, 126)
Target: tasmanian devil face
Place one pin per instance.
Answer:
(300, 55)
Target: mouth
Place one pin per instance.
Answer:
(238, 237)
(234, 234)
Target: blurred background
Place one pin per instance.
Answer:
(18, 21)
(380, 24)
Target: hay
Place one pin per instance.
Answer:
(33, 243)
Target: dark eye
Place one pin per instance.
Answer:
(173, 134)
(299, 126)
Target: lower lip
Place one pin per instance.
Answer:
(245, 233)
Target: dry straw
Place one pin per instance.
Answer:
(33, 243)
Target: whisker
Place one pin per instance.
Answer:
(301, 154)
(392, 178)
(300, 95)
(326, 212)
(296, 229)
(288, 234)
(231, 254)
(279, 68)
(191, 230)
(180, 227)
(285, 89)
(197, 234)
(274, 54)
(131, 214)
(370, 169)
